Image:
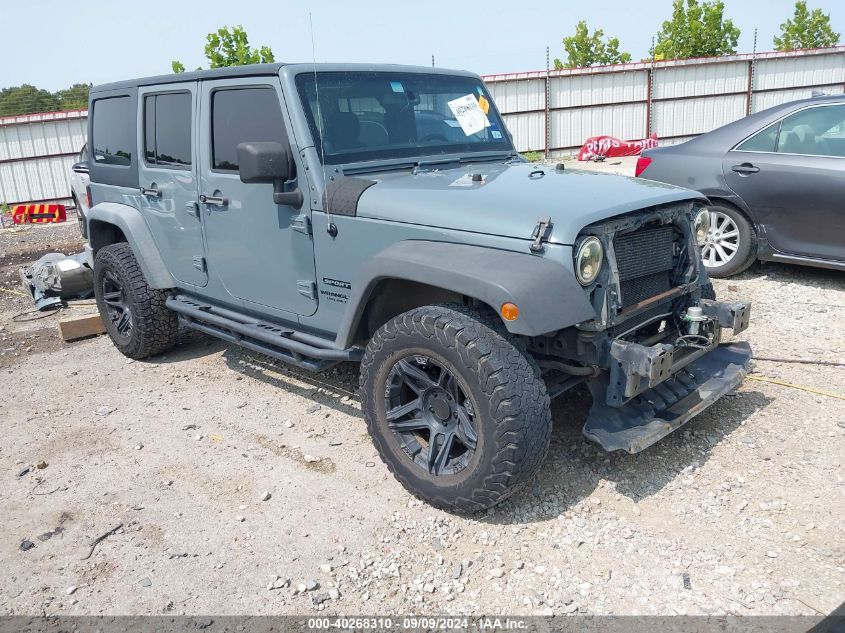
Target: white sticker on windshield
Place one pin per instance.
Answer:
(396, 86)
(469, 114)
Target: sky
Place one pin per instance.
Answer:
(61, 42)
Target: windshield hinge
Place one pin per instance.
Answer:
(541, 233)
(301, 223)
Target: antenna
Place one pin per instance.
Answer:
(331, 229)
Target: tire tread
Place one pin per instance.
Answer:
(506, 374)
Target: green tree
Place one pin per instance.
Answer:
(806, 29)
(698, 30)
(584, 49)
(26, 99)
(74, 98)
(230, 47)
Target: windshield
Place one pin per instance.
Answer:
(383, 115)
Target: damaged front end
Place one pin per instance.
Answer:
(653, 357)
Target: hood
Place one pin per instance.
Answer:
(511, 198)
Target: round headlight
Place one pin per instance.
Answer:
(701, 226)
(588, 260)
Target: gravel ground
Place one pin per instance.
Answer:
(237, 486)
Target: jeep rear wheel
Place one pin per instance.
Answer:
(457, 412)
(134, 314)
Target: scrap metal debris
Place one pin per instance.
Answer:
(56, 277)
(100, 539)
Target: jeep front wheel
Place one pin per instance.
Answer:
(457, 412)
(134, 314)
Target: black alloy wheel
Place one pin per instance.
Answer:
(430, 413)
(117, 306)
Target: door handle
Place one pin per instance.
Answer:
(151, 192)
(219, 201)
(745, 168)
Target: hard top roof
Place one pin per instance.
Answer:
(254, 70)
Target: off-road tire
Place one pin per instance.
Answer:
(747, 246)
(513, 411)
(154, 327)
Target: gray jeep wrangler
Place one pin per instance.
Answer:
(380, 214)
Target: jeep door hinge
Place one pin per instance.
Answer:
(199, 262)
(307, 288)
(301, 223)
(541, 233)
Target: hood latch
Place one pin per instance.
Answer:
(541, 233)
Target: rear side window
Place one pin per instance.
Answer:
(818, 131)
(763, 141)
(167, 130)
(113, 131)
(241, 116)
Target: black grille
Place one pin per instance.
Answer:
(644, 259)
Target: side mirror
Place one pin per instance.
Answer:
(80, 167)
(269, 163)
(263, 162)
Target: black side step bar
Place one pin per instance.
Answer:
(297, 348)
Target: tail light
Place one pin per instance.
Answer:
(642, 164)
(88, 195)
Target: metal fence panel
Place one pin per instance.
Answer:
(36, 180)
(50, 138)
(518, 96)
(772, 98)
(598, 89)
(810, 70)
(528, 130)
(701, 79)
(570, 128)
(695, 116)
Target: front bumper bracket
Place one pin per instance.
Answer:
(658, 411)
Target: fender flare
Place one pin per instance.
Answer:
(131, 223)
(547, 294)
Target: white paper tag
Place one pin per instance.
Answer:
(469, 114)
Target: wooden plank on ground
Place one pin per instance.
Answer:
(73, 328)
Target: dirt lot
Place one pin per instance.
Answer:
(740, 512)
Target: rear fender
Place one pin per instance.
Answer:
(111, 222)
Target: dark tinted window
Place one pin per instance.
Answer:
(114, 129)
(241, 116)
(816, 131)
(150, 129)
(167, 129)
(763, 141)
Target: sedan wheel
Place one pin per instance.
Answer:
(731, 243)
(722, 240)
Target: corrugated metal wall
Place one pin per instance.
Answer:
(676, 100)
(36, 153)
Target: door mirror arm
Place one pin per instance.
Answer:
(287, 198)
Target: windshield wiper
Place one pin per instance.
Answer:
(489, 156)
(426, 163)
